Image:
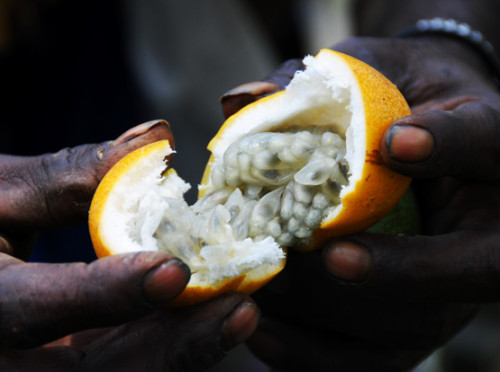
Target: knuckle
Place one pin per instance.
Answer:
(365, 49)
(68, 182)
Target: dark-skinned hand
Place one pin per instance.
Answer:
(375, 302)
(108, 315)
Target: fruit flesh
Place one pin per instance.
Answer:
(242, 222)
(197, 234)
(250, 214)
(291, 181)
(281, 180)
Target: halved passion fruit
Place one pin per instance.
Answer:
(290, 170)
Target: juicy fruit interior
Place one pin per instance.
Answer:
(272, 189)
(280, 168)
(280, 184)
(269, 187)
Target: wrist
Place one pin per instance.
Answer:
(383, 18)
(459, 33)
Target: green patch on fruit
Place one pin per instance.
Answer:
(404, 219)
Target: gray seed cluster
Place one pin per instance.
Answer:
(291, 182)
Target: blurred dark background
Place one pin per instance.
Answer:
(70, 73)
(64, 82)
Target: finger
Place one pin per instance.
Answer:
(285, 72)
(42, 302)
(463, 143)
(55, 190)
(237, 98)
(288, 347)
(457, 267)
(330, 318)
(189, 339)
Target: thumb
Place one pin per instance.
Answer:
(55, 190)
(446, 143)
(457, 267)
(43, 302)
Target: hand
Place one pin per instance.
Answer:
(450, 145)
(109, 314)
(385, 302)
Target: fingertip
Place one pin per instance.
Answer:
(348, 261)
(165, 282)
(408, 143)
(109, 153)
(240, 325)
(235, 99)
(148, 127)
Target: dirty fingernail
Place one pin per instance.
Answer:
(409, 143)
(255, 88)
(348, 261)
(137, 131)
(235, 99)
(165, 282)
(240, 325)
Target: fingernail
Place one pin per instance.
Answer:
(236, 98)
(240, 325)
(137, 131)
(165, 282)
(255, 88)
(409, 143)
(348, 261)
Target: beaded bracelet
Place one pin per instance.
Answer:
(460, 31)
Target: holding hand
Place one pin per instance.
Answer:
(450, 145)
(383, 300)
(107, 315)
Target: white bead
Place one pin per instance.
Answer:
(303, 233)
(313, 218)
(302, 193)
(299, 211)
(287, 201)
(286, 156)
(286, 239)
(264, 160)
(315, 172)
(320, 201)
(273, 228)
(293, 225)
(244, 162)
(301, 149)
(233, 177)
